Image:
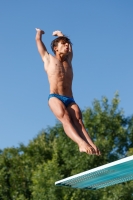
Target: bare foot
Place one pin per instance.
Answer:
(84, 147)
(91, 145)
(98, 153)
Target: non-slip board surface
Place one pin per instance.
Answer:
(103, 176)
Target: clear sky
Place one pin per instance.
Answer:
(102, 35)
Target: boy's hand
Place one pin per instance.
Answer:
(39, 30)
(57, 33)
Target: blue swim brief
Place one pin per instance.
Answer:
(65, 100)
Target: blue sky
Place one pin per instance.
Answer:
(102, 37)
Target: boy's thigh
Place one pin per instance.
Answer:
(57, 107)
(74, 112)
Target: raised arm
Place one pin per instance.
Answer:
(59, 33)
(40, 45)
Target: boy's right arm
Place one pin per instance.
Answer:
(41, 47)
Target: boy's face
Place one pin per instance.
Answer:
(62, 48)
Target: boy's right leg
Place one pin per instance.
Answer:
(62, 114)
(76, 117)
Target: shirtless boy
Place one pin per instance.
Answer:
(60, 100)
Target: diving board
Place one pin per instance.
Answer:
(106, 175)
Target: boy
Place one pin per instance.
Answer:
(61, 101)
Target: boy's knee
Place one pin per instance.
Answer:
(63, 116)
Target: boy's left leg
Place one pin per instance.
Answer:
(76, 117)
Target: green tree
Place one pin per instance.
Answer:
(17, 164)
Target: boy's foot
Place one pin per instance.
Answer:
(84, 147)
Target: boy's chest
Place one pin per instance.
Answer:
(61, 67)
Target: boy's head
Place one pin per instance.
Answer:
(60, 43)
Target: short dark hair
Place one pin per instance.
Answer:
(55, 42)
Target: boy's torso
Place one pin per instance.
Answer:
(60, 76)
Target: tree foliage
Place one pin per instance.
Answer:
(29, 172)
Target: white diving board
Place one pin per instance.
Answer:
(106, 175)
